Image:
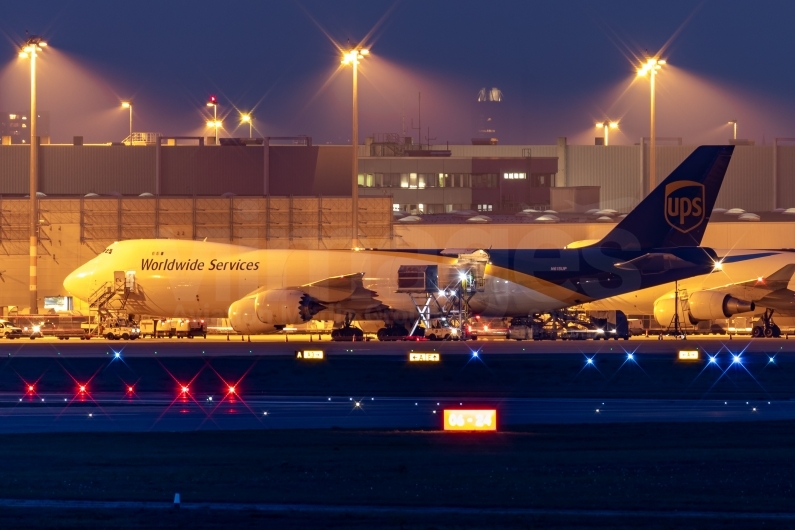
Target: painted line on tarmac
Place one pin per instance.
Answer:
(380, 510)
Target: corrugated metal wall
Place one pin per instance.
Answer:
(615, 168)
(212, 170)
(749, 180)
(785, 167)
(748, 183)
(14, 169)
(64, 169)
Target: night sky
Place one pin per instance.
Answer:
(560, 65)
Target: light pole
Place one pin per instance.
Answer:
(607, 125)
(128, 105)
(246, 118)
(30, 50)
(213, 102)
(734, 122)
(651, 66)
(352, 57)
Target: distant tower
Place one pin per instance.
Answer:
(487, 115)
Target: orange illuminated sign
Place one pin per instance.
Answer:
(470, 420)
(423, 357)
(688, 355)
(309, 354)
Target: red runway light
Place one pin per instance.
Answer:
(30, 388)
(231, 390)
(82, 389)
(185, 390)
(129, 389)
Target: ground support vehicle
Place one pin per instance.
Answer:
(9, 330)
(120, 328)
(183, 327)
(440, 331)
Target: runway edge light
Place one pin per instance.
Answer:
(423, 357)
(309, 354)
(688, 355)
(470, 420)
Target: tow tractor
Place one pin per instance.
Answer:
(120, 328)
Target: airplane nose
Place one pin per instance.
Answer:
(70, 282)
(77, 283)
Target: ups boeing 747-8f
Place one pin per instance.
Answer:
(265, 290)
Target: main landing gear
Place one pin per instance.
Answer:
(398, 332)
(765, 327)
(347, 332)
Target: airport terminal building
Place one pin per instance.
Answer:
(290, 193)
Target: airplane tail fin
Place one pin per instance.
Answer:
(676, 212)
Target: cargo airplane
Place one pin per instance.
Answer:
(763, 279)
(261, 291)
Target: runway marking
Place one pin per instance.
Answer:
(381, 509)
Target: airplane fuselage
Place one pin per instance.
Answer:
(178, 278)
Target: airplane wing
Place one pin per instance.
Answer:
(334, 289)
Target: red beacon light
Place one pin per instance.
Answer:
(82, 389)
(130, 389)
(30, 388)
(231, 389)
(185, 389)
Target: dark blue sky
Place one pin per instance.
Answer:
(560, 65)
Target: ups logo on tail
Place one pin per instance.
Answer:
(684, 205)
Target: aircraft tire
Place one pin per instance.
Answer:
(757, 332)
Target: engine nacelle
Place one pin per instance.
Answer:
(280, 307)
(709, 305)
(243, 318)
(269, 311)
(700, 305)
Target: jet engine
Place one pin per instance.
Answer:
(700, 305)
(272, 310)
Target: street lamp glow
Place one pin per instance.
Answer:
(213, 102)
(734, 122)
(651, 67)
(246, 118)
(29, 50)
(129, 105)
(606, 126)
(352, 57)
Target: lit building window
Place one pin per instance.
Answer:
(395, 207)
(484, 207)
(515, 176)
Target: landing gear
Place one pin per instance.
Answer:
(347, 332)
(393, 333)
(765, 327)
